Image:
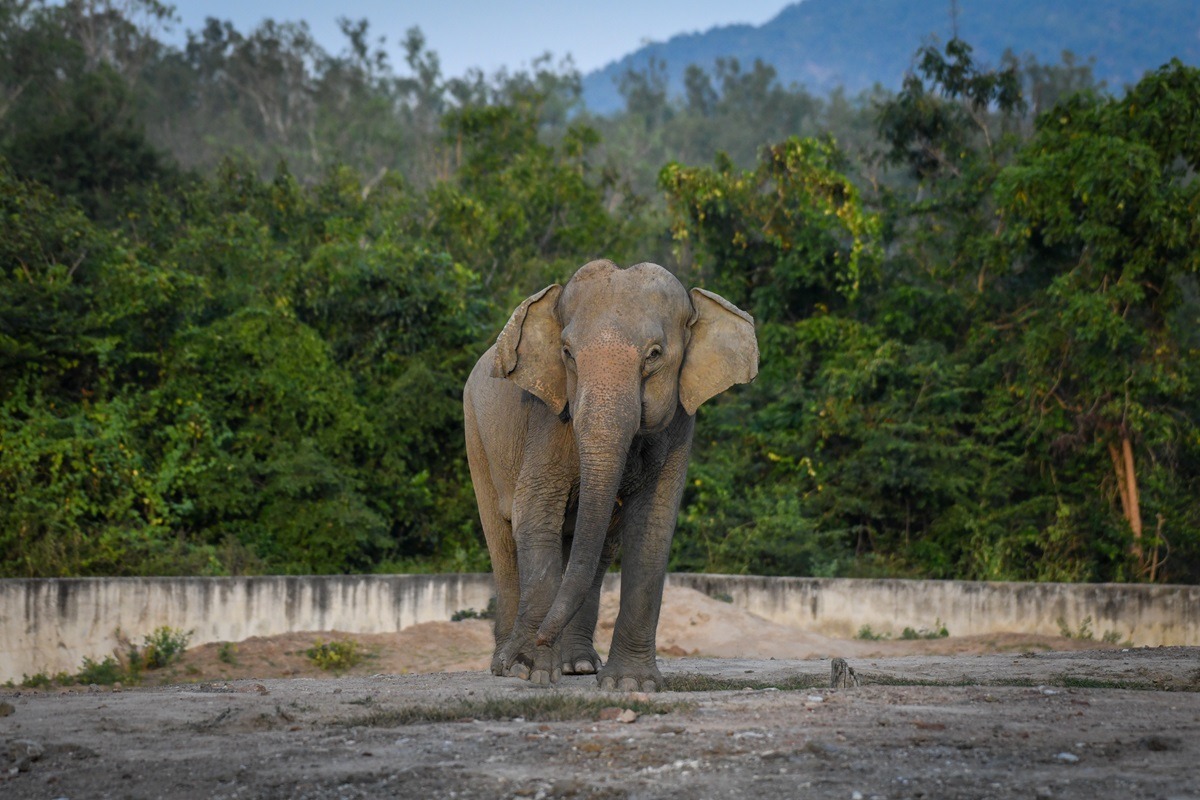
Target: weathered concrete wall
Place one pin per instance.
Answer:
(1141, 613)
(50, 625)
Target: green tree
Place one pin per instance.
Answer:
(1103, 200)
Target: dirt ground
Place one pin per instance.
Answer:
(749, 712)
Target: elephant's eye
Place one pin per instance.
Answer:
(567, 353)
(653, 360)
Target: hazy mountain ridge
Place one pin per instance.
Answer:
(822, 44)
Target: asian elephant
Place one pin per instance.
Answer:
(579, 424)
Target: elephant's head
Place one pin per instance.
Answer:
(619, 351)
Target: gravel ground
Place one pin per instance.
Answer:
(1120, 723)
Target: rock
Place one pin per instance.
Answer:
(842, 675)
(1067, 758)
(617, 714)
(6, 709)
(1159, 744)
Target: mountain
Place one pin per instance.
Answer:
(822, 44)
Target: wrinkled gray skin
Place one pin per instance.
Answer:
(579, 425)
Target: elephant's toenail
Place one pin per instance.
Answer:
(608, 684)
(649, 686)
(628, 685)
(519, 671)
(584, 667)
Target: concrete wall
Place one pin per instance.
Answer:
(1141, 613)
(50, 625)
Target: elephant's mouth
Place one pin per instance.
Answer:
(652, 422)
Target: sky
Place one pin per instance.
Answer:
(496, 34)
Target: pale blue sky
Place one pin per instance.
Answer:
(500, 33)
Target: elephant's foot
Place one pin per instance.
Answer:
(629, 677)
(580, 658)
(520, 657)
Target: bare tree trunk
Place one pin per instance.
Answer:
(1127, 489)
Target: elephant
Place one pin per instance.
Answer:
(579, 424)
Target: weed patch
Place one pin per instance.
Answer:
(545, 707)
(165, 646)
(692, 682)
(939, 631)
(227, 653)
(470, 613)
(159, 649)
(102, 673)
(866, 633)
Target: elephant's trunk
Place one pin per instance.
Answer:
(606, 418)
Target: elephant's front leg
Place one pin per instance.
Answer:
(540, 566)
(539, 505)
(578, 649)
(646, 532)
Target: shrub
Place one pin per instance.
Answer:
(335, 656)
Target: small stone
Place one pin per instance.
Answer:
(627, 716)
(1067, 758)
(823, 749)
(567, 787)
(24, 752)
(856, 795)
(6, 709)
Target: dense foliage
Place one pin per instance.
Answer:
(241, 285)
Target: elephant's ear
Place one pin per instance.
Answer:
(528, 349)
(722, 351)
